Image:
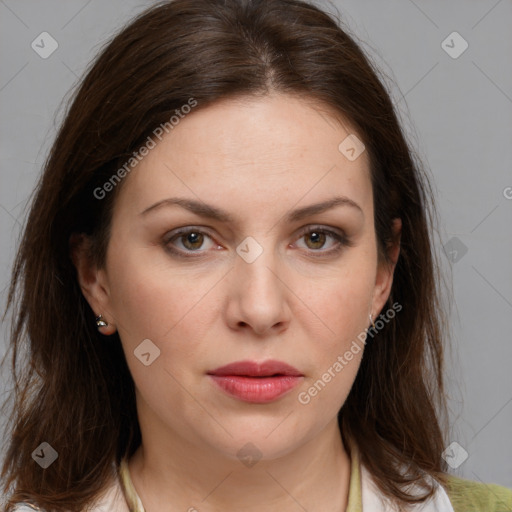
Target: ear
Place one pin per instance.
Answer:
(385, 270)
(93, 281)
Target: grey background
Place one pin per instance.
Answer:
(458, 113)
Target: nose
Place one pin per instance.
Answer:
(258, 299)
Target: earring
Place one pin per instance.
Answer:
(371, 321)
(100, 322)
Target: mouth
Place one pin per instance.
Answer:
(254, 382)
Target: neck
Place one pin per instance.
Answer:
(314, 476)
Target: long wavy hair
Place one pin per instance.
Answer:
(73, 389)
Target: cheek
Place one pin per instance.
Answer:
(151, 304)
(335, 356)
(343, 301)
(147, 298)
(174, 311)
(345, 318)
(336, 348)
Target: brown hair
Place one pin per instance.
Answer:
(72, 387)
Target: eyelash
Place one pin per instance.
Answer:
(343, 241)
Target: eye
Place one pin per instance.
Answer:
(190, 239)
(185, 242)
(316, 238)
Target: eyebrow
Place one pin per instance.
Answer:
(212, 212)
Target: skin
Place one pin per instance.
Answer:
(258, 159)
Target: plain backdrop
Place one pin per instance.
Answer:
(456, 106)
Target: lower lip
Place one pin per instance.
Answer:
(259, 390)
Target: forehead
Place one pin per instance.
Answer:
(259, 153)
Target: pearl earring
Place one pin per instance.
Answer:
(100, 322)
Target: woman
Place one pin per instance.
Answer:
(227, 282)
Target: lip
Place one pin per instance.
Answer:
(254, 369)
(255, 382)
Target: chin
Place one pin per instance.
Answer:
(269, 440)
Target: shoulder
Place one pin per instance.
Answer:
(111, 500)
(469, 495)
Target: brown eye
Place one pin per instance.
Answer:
(192, 240)
(188, 242)
(317, 238)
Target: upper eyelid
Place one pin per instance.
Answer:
(320, 227)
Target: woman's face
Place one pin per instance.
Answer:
(259, 274)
